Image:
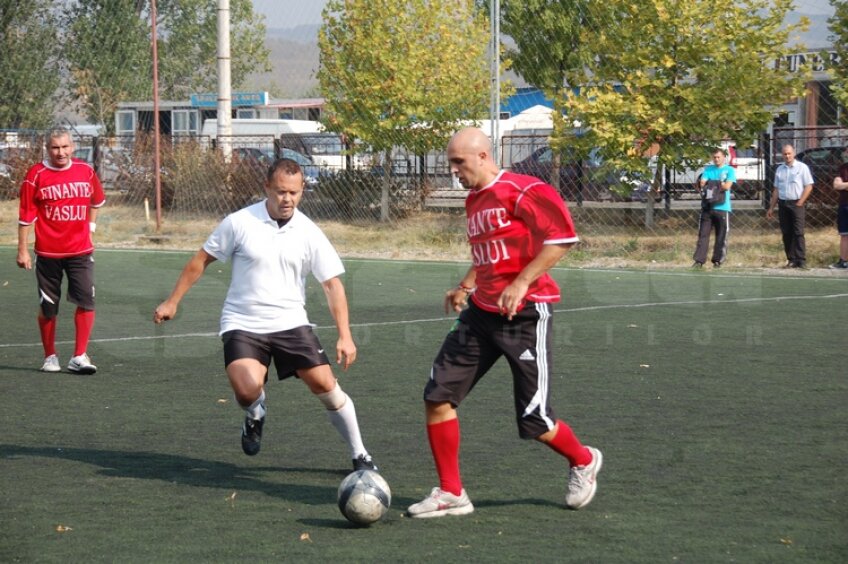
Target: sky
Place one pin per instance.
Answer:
(289, 13)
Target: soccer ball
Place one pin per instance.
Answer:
(364, 497)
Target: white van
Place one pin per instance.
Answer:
(304, 136)
(325, 148)
(257, 127)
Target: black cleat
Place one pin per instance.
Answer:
(251, 434)
(364, 462)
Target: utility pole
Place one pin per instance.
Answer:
(495, 72)
(157, 159)
(225, 103)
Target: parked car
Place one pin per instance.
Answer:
(263, 158)
(311, 171)
(86, 154)
(635, 187)
(14, 158)
(748, 162)
(8, 190)
(750, 170)
(586, 179)
(824, 163)
(119, 168)
(115, 164)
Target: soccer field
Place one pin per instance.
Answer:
(718, 399)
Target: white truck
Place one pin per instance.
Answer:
(304, 136)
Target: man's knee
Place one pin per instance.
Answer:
(319, 379)
(335, 399)
(48, 310)
(247, 377)
(439, 411)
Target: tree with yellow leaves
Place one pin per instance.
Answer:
(679, 76)
(402, 73)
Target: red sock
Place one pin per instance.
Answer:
(47, 328)
(566, 443)
(444, 443)
(84, 322)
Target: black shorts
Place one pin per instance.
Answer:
(477, 340)
(842, 219)
(49, 273)
(291, 350)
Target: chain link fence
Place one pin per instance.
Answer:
(824, 150)
(204, 177)
(357, 186)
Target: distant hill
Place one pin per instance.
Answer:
(294, 56)
(299, 34)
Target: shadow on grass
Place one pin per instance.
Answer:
(29, 367)
(523, 501)
(339, 524)
(185, 470)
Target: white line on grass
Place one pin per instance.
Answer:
(771, 273)
(437, 319)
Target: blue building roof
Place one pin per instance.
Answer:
(525, 98)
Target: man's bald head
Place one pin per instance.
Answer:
(470, 158)
(471, 139)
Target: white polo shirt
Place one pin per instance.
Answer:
(790, 180)
(268, 288)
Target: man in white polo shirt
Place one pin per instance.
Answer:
(793, 183)
(274, 247)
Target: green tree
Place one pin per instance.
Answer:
(678, 76)
(29, 67)
(839, 27)
(188, 55)
(547, 34)
(549, 51)
(402, 73)
(112, 60)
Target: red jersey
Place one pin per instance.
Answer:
(508, 222)
(57, 201)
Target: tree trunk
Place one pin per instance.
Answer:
(649, 200)
(387, 182)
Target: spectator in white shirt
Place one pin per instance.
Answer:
(793, 184)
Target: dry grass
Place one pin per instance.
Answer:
(441, 237)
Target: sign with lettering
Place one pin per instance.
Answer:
(239, 99)
(818, 61)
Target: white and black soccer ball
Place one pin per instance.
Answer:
(364, 497)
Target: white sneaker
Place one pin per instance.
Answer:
(583, 481)
(81, 365)
(440, 503)
(51, 364)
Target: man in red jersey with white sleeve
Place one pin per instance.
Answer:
(60, 196)
(518, 228)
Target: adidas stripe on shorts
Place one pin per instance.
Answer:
(477, 340)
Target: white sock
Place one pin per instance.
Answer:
(344, 420)
(256, 410)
